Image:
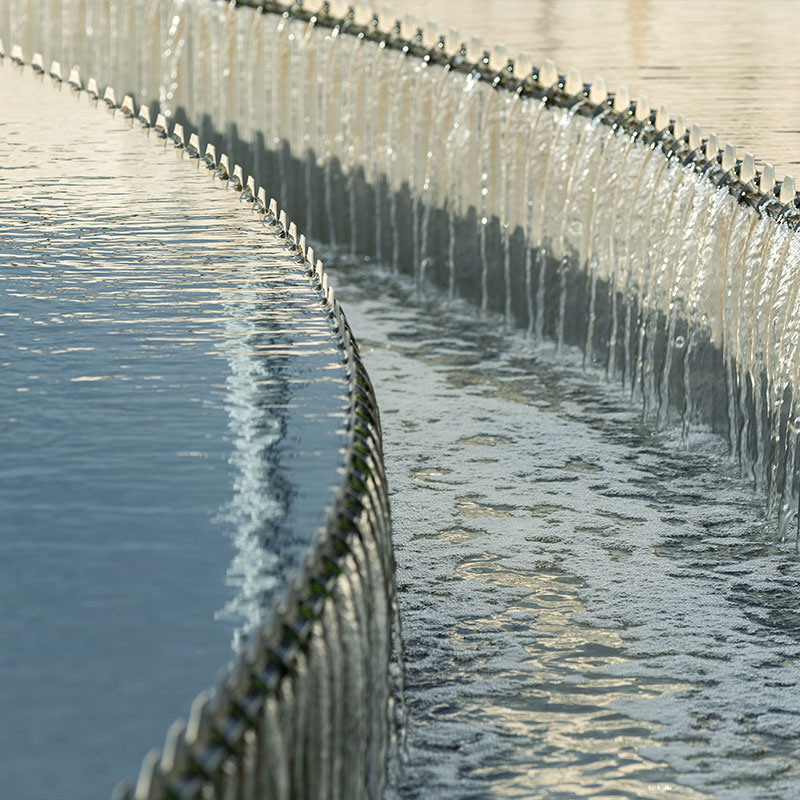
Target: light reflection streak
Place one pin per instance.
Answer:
(566, 699)
(255, 391)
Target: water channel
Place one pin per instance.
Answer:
(593, 601)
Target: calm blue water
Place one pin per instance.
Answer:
(170, 400)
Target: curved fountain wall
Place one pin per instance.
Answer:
(586, 218)
(580, 215)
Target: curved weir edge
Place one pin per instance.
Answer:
(226, 744)
(390, 173)
(757, 188)
(446, 164)
(754, 396)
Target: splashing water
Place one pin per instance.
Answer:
(579, 221)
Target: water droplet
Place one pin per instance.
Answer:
(679, 342)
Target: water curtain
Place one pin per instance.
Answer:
(589, 219)
(583, 216)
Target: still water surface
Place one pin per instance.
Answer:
(170, 400)
(590, 609)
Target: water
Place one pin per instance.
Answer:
(590, 607)
(726, 65)
(623, 523)
(581, 220)
(172, 407)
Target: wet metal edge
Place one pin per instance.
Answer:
(651, 127)
(212, 755)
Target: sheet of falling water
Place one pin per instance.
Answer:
(590, 608)
(704, 60)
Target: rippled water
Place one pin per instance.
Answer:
(590, 609)
(732, 66)
(169, 398)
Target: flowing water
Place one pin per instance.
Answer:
(728, 65)
(172, 403)
(581, 218)
(594, 600)
(590, 608)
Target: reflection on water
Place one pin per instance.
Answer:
(169, 404)
(566, 702)
(258, 391)
(728, 65)
(590, 609)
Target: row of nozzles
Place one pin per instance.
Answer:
(220, 723)
(521, 75)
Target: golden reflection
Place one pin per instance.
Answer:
(425, 474)
(470, 508)
(483, 439)
(568, 693)
(453, 535)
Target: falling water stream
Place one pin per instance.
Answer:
(582, 318)
(730, 66)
